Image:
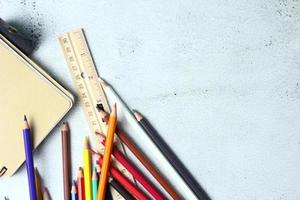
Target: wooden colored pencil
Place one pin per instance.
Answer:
(108, 195)
(95, 184)
(118, 187)
(38, 187)
(130, 187)
(137, 174)
(121, 190)
(87, 170)
(171, 157)
(107, 153)
(65, 141)
(143, 159)
(80, 184)
(29, 159)
(46, 195)
(74, 195)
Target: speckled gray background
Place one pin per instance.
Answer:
(218, 79)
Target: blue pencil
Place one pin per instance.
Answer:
(74, 195)
(29, 160)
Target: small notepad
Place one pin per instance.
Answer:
(25, 89)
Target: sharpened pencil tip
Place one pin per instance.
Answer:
(25, 118)
(114, 110)
(86, 142)
(103, 83)
(137, 115)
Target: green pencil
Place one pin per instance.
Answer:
(95, 184)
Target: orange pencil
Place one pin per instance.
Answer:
(107, 153)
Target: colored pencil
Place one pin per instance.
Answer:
(121, 190)
(65, 141)
(87, 170)
(38, 188)
(95, 184)
(108, 195)
(74, 195)
(171, 157)
(46, 195)
(143, 159)
(137, 174)
(80, 184)
(29, 160)
(130, 187)
(107, 153)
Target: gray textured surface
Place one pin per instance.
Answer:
(223, 76)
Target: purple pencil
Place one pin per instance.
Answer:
(29, 160)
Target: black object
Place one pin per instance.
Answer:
(108, 195)
(122, 191)
(12, 34)
(173, 159)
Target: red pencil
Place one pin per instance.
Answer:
(80, 184)
(137, 174)
(129, 186)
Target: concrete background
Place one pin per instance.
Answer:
(218, 79)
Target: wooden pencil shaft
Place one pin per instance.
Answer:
(38, 185)
(29, 163)
(172, 158)
(137, 174)
(87, 175)
(65, 138)
(145, 161)
(121, 190)
(107, 153)
(130, 187)
(108, 195)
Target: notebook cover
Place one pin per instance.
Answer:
(26, 89)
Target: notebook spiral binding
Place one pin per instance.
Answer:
(2, 171)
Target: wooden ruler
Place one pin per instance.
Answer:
(90, 91)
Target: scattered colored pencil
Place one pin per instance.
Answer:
(46, 195)
(87, 170)
(38, 187)
(29, 160)
(108, 195)
(136, 174)
(121, 190)
(65, 141)
(74, 195)
(143, 159)
(130, 187)
(118, 187)
(95, 184)
(107, 153)
(171, 157)
(80, 185)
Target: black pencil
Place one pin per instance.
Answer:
(122, 191)
(171, 157)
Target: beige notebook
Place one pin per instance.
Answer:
(25, 89)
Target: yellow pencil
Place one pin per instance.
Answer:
(39, 193)
(107, 152)
(87, 170)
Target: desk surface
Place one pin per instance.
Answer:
(218, 79)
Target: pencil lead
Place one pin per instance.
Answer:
(100, 107)
(65, 126)
(25, 118)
